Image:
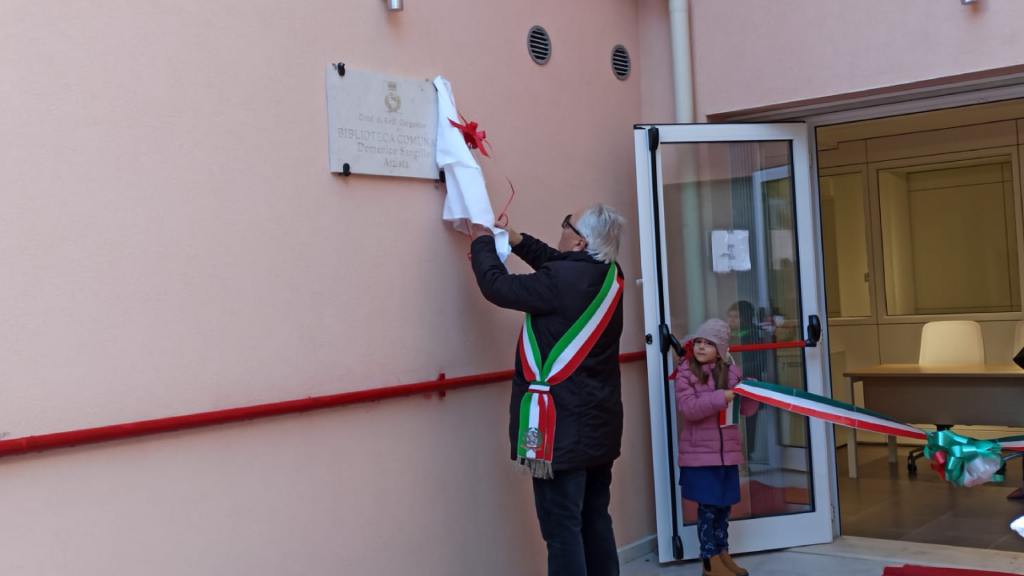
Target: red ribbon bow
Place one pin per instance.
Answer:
(475, 139)
(938, 463)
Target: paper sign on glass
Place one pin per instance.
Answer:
(730, 251)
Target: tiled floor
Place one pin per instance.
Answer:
(884, 502)
(847, 556)
(890, 519)
(786, 563)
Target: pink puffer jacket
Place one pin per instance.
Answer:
(701, 441)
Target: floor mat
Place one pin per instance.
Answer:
(910, 570)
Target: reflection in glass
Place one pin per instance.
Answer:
(844, 234)
(743, 187)
(949, 238)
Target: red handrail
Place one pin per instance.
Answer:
(441, 385)
(768, 346)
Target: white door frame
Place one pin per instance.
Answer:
(769, 532)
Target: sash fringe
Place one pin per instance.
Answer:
(537, 468)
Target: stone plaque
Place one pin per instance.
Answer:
(381, 124)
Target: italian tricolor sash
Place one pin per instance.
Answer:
(536, 441)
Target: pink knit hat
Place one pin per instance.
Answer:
(717, 332)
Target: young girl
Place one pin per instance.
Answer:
(709, 453)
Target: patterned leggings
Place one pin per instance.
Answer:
(713, 529)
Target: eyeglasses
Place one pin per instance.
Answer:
(567, 224)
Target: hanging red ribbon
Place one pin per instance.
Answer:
(475, 139)
(502, 219)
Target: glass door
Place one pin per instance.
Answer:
(726, 229)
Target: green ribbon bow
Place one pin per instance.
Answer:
(950, 453)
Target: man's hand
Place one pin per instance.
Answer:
(514, 237)
(478, 230)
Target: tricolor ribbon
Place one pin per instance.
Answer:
(815, 406)
(961, 460)
(964, 461)
(731, 415)
(535, 446)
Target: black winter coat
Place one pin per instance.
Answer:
(588, 404)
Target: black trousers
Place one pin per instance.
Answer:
(573, 512)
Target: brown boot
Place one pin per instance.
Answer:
(715, 567)
(733, 566)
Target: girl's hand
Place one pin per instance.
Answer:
(729, 395)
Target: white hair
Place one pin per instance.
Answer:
(601, 226)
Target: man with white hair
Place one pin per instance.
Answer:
(566, 379)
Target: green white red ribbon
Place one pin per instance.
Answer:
(815, 406)
(961, 460)
(1012, 443)
(731, 415)
(536, 440)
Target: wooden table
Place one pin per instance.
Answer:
(976, 394)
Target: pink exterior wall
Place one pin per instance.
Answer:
(172, 242)
(754, 54)
(656, 92)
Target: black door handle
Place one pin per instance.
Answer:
(813, 331)
(669, 340)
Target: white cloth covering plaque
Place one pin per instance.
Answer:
(467, 200)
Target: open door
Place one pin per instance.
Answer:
(727, 230)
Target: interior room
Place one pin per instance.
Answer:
(922, 244)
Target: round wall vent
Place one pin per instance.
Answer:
(539, 44)
(620, 62)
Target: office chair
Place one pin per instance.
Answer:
(1018, 344)
(948, 342)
